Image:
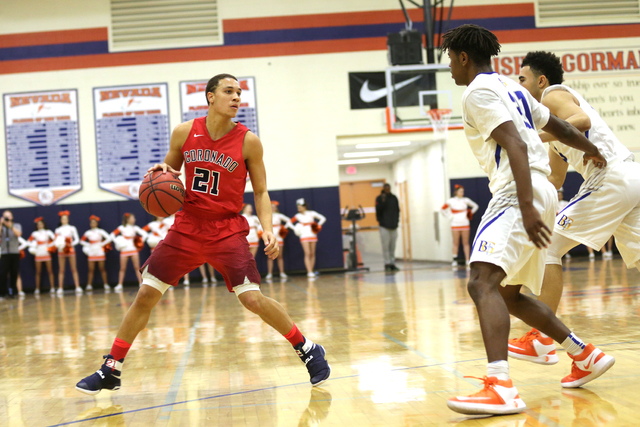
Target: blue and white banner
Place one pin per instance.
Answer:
(132, 134)
(43, 148)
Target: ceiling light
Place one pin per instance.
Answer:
(358, 161)
(383, 145)
(370, 153)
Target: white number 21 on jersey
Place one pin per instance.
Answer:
(201, 178)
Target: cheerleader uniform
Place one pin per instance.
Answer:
(124, 238)
(41, 242)
(167, 223)
(93, 242)
(306, 220)
(66, 238)
(278, 219)
(456, 209)
(157, 231)
(254, 226)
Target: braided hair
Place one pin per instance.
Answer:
(479, 43)
(545, 64)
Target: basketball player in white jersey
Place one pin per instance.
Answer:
(608, 202)
(500, 121)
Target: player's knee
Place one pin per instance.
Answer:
(252, 301)
(147, 298)
(477, 288)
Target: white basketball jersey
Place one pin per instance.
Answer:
(599, 134)
(489, 101)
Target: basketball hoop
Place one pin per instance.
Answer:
(439, 118)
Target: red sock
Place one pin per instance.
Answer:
(120, 349)
(294, 336)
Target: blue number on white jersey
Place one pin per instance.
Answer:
(521, 104)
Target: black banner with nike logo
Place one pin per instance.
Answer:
(368, 89)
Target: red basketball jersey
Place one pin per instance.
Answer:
(215, 170)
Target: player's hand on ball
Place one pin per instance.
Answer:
(597, 158)
(271, 248)
(163, 167)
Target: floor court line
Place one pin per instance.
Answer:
(177, 377)
(238, 393)
(299, 288)
(298, 384)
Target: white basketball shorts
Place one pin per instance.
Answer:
(502, 240)
(608, 203)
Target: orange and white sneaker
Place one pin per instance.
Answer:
(587, 366)
(534, 348)
(496, 398)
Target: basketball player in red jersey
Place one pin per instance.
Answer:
(217, 154)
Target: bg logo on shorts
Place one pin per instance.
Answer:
(486, 246)
(565, 222)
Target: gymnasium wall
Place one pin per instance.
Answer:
(366, 172)
(300, 54)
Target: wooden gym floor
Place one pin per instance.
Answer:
(399, 346)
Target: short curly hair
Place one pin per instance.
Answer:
(545, 64)
(479, 43)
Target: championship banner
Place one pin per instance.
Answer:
(43, 148)
(194, 102)
(132, 134)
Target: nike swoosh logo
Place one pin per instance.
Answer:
(196, 135)
(590, 361)
(368, 95)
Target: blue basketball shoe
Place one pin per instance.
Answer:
(107, 377)
(312, 355)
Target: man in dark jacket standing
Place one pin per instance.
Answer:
(388, 215)
(10, 259)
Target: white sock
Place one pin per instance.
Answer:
(573, 345)
(543, 335)
(498, 369)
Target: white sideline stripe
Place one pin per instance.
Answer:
(182, 366)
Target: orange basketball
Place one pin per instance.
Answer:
(161, 194)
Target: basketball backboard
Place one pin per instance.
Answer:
(413, 90)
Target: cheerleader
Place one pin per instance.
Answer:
(254, 226)
(281, 224)
(128, 239)
(41, 246)
(66, 239)
(156, 230)
(93, 244)
(460, 210)
(307, 229)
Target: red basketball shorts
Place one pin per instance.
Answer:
(192, 241)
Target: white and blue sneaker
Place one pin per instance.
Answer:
(312, 355)
(107, 377)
